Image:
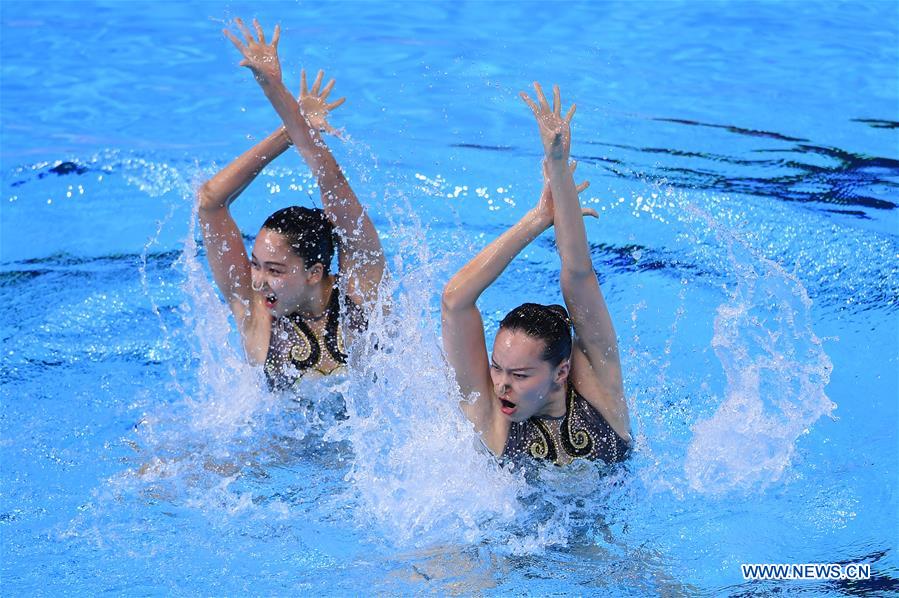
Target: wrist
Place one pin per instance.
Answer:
(556, 162)
(536, 221)
(283, 137)
(266, 74)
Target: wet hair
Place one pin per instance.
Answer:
(549, 323)
(308, 232)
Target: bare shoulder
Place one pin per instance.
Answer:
(499, 428)
(603, 394)
(488, 420)
(256, 333)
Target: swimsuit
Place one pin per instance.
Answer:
(294, 350)
(583, 433)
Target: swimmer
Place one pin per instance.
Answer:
(285, 299)
(542, 394)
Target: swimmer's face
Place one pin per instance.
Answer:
(280, 276)
(522, 379)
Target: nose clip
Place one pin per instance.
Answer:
(254, 287)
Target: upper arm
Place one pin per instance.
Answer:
(361, 259)
(596, 364)
(227, 259)
(602, 387)
(466, 351)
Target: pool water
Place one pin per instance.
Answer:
(743, 160)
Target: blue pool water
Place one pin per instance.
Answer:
(743, 159)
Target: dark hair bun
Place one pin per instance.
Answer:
(308, 231)
(560, 311)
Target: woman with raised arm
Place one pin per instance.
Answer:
(284, 298)
(541, 394)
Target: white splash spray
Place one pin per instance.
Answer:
(775, 368)
(419, 471)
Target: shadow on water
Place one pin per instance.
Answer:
(804, 172)
(844, 178)
(74, 266)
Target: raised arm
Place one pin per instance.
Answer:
(224, 244)
(463, 328)
(361, 255)
(596, 367)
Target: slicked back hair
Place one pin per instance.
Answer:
(549, 323)
(308, 232)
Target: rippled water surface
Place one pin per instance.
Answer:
(743, 159)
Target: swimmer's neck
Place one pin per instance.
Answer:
(555, 406)
(316, 307)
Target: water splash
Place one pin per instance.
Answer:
(383, 455)
(775, 369)
(412, 464)
(419, 472)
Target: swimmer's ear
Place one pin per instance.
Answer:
(315, 274)
(562, 372)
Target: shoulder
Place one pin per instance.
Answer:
(607, 401)
(497, 428)
(350, 310)
(481, 408)
(256, 333)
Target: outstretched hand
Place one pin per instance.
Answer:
(546, 207)
(555, 131)
(258, 56)
(313, 103)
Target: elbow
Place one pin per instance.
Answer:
(451, 299)
(207, 199)
(447, 299)
(576, 274)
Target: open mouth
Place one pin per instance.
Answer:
(270, 300)
(507, 407)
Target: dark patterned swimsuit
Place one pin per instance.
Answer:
(294, 350)
(583, 434)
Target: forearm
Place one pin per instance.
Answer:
(338, 199)
(580, 287)
(307, 140)
(222, 189)
(571, 235)
(466, 286)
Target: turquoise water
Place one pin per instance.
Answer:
(743, 158)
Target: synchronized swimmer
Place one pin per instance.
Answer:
(285, 299)
(541, 394)
(544, 393)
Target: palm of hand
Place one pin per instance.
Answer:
(258, 56)
(314, 102)
(555, 131)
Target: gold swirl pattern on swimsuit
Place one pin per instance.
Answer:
(543, 445)
(582, 433)
(577, 442)
(306, 352)
(294, 349)
(301, 350)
